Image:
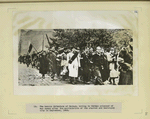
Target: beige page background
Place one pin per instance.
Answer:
(13, 106)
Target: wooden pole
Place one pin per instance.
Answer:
(35, 48)
(43, 42)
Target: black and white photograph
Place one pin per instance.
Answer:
(75, 52)
(75, 57)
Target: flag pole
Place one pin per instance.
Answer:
(48, 40)
(43, 43)
(29, 46)
(34, 48)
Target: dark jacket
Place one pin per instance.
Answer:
(44, 65)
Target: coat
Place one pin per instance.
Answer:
(74, 66)
(101, 65)
(126, 73)
(53, 62)
(44, 65)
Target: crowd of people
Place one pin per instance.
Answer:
(87, 65)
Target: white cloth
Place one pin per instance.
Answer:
(113, 72)
(63, 59)
(64, 71)
(74, 66)
(109, 58)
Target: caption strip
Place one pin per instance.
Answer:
(74, 107)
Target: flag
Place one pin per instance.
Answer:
(48, 40)
(30, 48)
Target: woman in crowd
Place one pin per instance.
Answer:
(44, 64)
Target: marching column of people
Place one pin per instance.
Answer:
(85, 65)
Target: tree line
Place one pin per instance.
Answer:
(97, 37)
